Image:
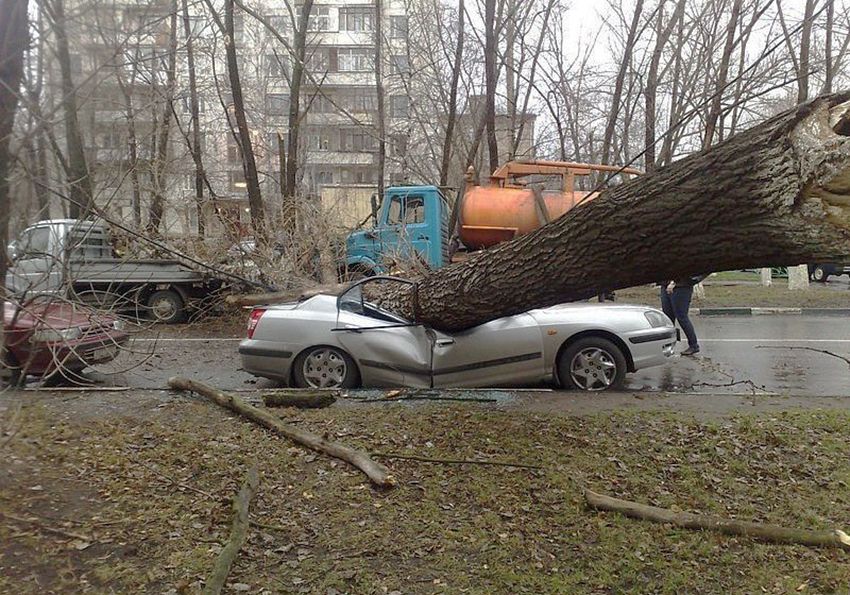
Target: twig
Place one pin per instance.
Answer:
(390, 455)
(824, 351)
(377, 473)
(173, 481)
(45, 528)
(760, 531)
(270, 527)
(238, 530)
(82, 389)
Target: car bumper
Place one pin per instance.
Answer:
(45, 358)
(269, 359)
(652, 347)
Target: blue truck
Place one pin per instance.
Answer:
(412, 222)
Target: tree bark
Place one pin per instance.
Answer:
(773, 195)
(760, 531)
(300, 398)
(249, 165)
(238, 531)
(377, 473)
(13, 42)
(195, 107)
(293, 128)
(452, 107)
(716, 106)
(79, 179)
(379, 92)
(490, 77)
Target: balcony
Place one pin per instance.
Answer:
(340, 158)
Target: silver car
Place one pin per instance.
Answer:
(348, 341)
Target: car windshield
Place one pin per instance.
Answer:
(364, 299)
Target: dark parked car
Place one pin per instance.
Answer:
(50, 337)
(822, 271)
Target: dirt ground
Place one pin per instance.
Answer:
(139, 500)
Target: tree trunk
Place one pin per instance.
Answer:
(249, 165)
(452, 107)
(160, 163)
(490, 26)
(770, 196)
(717, 100)
(195, 108)
(81, 195)
(379, 90)
(614, 114)
(293, 128)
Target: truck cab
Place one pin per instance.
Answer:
(411, 224)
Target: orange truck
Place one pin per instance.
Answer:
(519, 197)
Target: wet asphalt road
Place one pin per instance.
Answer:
(740, 354)
(776, 353)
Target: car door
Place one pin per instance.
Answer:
(407, 232)
(35, 269)
(389, 351)
(503, 352)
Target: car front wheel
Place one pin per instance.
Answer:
(819, 274)
(593, 364)
(325, 367)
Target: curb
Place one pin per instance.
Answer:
(767, 311)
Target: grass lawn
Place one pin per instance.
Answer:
(149, 498)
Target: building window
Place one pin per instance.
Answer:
(76, 64)
(401, 64)
(237, 181)
(398, 27)
(356, 139)
(398, 145)
(234, 151)
(238, 29)
(357, 19)
(277, 104)
(278, 22)
(319, 139)
(360, 101)
(317, 61)
(319, 104)
(354, 59)
(323, 177)
(276, 66)
(399, 105)
(320, 18)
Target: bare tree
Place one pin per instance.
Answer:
(451, 115)
(379, 90)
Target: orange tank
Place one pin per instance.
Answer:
(507, 207)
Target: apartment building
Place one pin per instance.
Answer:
(120, 58)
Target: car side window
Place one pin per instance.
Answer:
(34, 243)
(394, 216)
(414, 211)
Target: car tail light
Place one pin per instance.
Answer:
(256, 314)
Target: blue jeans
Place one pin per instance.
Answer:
(676, 306)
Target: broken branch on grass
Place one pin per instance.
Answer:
(300, 398)
(377, 473)
(390, 455)
(824, 351)
(686, 520)
(47, 529)
(238, 530)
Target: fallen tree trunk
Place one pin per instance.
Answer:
(238, 530)
(377, 473)
(760, 531)
(303, 399)
(777, 194)
(256, 299)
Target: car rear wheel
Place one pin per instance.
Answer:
(325, 367)
(593, 364)
(10, 371)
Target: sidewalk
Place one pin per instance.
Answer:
(735, 311)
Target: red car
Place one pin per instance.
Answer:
(48, 336)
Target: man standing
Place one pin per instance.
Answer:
(675, 301)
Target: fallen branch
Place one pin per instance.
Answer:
(377, 473)
(390, 455)
(238, 530)
(303, 399)
(760, 531)
(258, 299)
(47, 529)
(824, 351)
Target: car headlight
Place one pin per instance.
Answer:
(53, 335)
(119, 325)
(656, 319)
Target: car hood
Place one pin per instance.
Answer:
(624, 317)
(52, 313)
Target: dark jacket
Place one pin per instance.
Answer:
(690, 281)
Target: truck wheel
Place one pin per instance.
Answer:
(166, 306)
(819, 274)
(592, 364)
